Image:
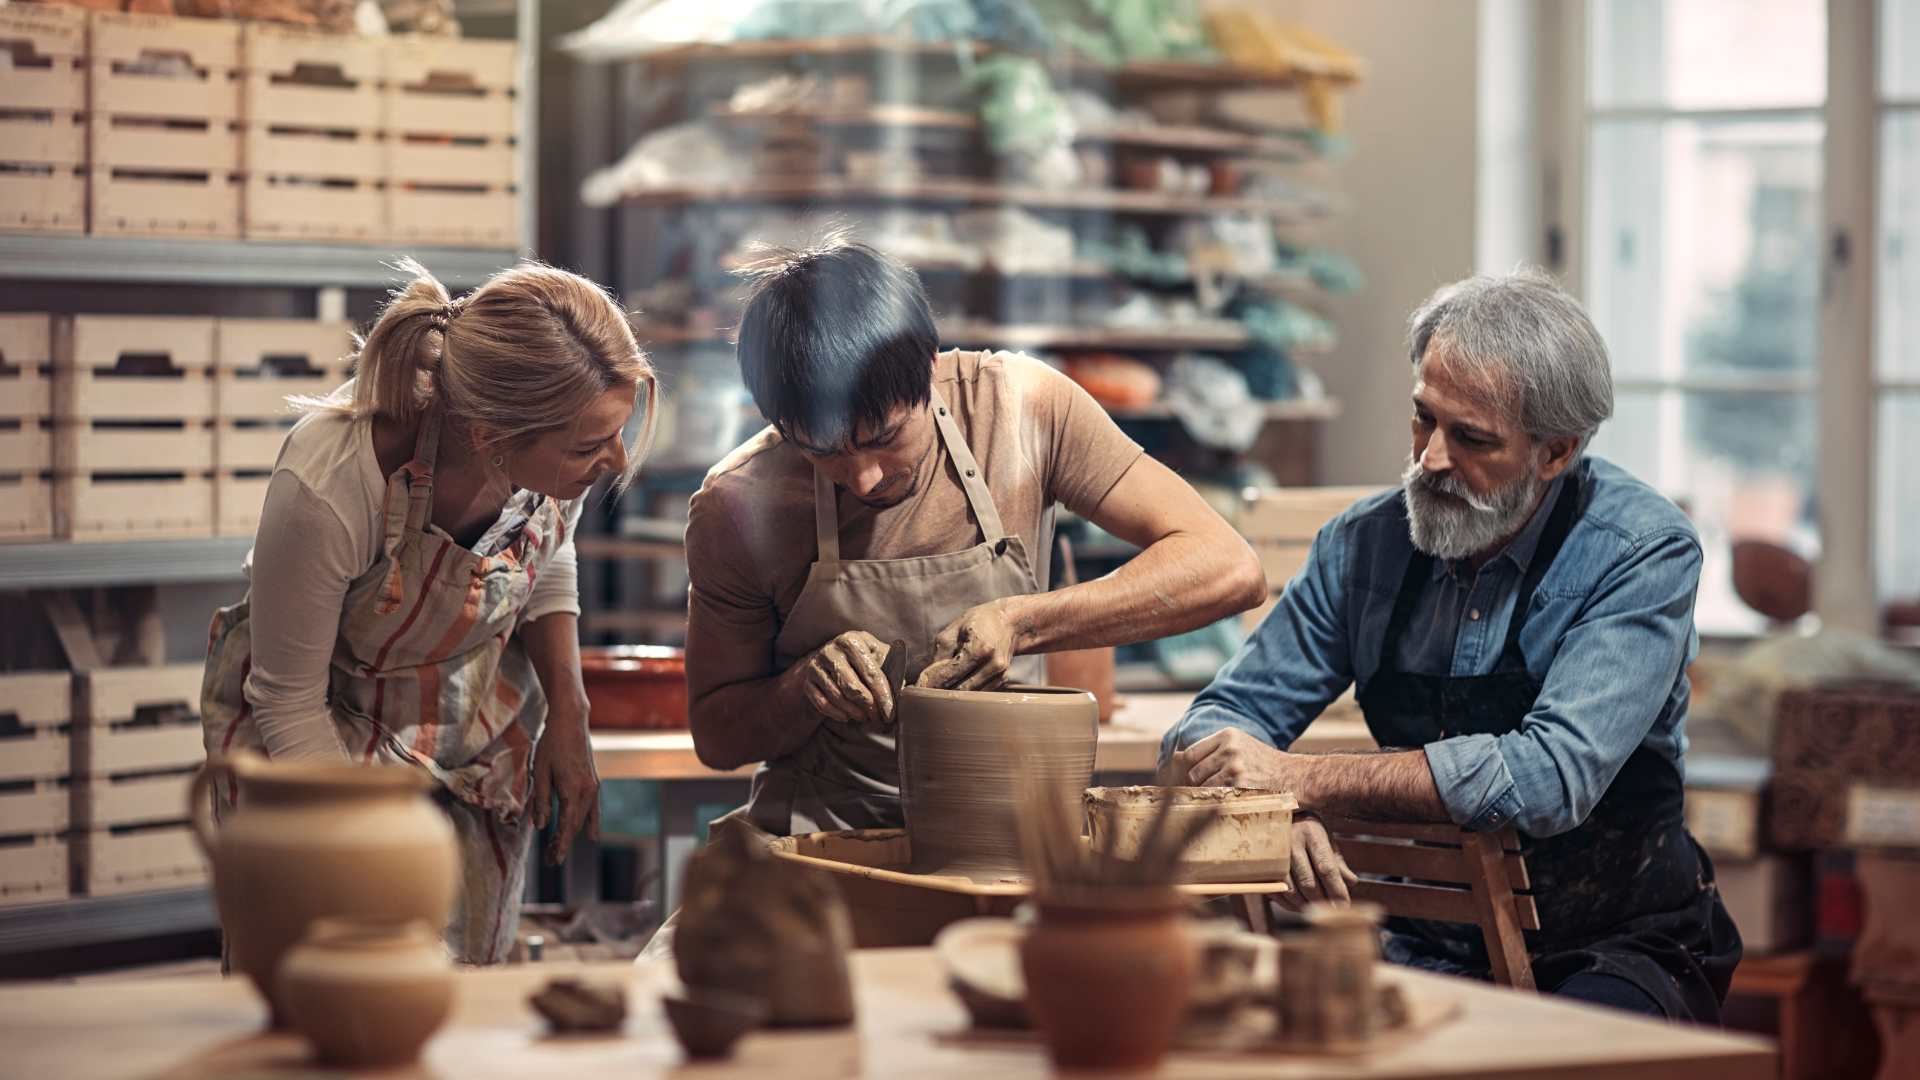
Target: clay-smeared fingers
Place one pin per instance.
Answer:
(824, 692)
(1306, 884)
(1329, 869)
(848, 682)
(867, 656)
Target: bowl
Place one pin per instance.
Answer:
(635, 687)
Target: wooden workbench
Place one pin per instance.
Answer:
(1130, 744)
(207, 1026)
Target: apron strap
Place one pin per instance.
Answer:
(426, 454)
(1559, 525)
(826, 511)
(979, 500)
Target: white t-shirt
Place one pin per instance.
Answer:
(320, 529)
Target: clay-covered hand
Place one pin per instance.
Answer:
(563, 769)
(845, 680)
(1231, 757)
(974, 652)
(1318, 873)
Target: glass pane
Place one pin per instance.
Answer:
(1704, 245)
(1741, 465)
(1897, 547)
(1899, 271)
(1900, 48)
(1697, 54)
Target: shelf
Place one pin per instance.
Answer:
(1276, 411)
(50, 257)
(960, 332)
(76, 565)
(1196, 138)
(617, 547)
(1183, 72)
(973, 192)
(650, 623)
(92, 920)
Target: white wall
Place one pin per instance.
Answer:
(1419, 215)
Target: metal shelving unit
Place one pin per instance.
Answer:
(51, 257)
(143, 562)
(93, 920)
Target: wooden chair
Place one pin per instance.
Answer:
(1444, 873)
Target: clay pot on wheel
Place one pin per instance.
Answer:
(960, 752)
(309, 840)
(1108, 976)
(367, 994)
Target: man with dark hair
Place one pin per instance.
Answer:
(904, 493)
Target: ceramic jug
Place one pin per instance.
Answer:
(367, 994)
(309, 840)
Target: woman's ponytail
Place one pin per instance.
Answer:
(399, 357)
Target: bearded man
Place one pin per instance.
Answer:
(1517, 618)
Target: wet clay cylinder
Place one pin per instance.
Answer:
(961, 756)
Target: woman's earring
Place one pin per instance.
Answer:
(499, 461)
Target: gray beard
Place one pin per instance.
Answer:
(1468, 524)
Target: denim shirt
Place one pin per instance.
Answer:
(1609, 636)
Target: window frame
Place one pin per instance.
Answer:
(1845, 384)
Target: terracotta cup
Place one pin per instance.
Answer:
(1108, 976)
(310, 840)
(367, 993)
(960, 754)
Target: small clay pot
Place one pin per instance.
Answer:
(367, 993)
(1108, 976)
(709, 1022)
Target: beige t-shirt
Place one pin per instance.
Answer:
(1039, 440)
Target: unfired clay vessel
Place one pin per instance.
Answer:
(962, 754)
(367, 993)
(1108, 976)
(1251, 840)
(312, 840)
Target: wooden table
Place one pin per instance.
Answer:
(206, 1026)
(1130, 744)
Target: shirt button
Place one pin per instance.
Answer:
(1474, 614)
(1493, 815)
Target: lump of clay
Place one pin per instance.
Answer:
(755, 925)
(575, 1005)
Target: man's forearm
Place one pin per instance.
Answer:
(1183, 581)
(757, 720)
(1395, 785)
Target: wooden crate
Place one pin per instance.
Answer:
(238, 498)
(452, 139)
(115, 508)
(313, 153)
(165, 147)
(34, 870)
(258, 363)
(137, 752)
(43, 184)
(26, 443)
(133, 367)
(114, 862)
(35, 804)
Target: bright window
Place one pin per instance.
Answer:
(1703, 221)
(1897, 306)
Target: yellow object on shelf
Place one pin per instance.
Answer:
(1259, 41)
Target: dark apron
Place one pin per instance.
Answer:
(1627, 893)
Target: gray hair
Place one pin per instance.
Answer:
(1525, 345)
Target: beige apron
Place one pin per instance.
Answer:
(846, 777)
(428, 671)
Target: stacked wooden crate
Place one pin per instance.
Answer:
(134, 759)
(258, 365)
(26, 442)
(1280, 524)
(314, 159)
(133, 436)
(35, 763)
(452, 151)
(43, 93)
(164, 99)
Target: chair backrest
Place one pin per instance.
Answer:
(1280, 523)
(1445, 873)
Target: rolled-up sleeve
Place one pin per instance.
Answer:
(1289, 669)
(1612, 674)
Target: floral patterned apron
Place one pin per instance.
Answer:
(428, 671)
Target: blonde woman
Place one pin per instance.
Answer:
(412, 586)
